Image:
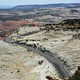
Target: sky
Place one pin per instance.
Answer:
(29, 2)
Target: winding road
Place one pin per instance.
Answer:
(61, 69)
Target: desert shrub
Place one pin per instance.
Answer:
(50, 78)
(76, 36)
(76, 75)
(40, 62)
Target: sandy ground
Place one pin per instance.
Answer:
(18, 63)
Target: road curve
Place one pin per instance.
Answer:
(61, 69)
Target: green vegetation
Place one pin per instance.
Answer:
(71, 21)
(76, 75)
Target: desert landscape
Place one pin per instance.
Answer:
(40, 42)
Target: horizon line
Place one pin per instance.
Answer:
(42, 4)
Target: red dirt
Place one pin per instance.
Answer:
(9, 26)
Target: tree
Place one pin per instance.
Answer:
(76, 75)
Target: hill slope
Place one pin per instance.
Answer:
(21, 7)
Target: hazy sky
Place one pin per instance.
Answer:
(27, 2)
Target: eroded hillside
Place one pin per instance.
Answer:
(63, 44)
(18, 63)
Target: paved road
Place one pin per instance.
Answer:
(61, 69)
